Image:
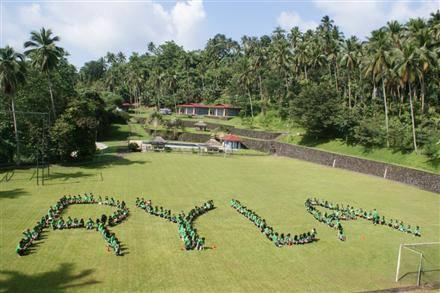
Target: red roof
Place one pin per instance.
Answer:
(231, 137)
(197, 105)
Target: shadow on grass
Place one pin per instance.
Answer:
(67, 176)
(54, 281)
(115, 133)
(106, 160)
(13, 193)
(435, 163)
(312, 141)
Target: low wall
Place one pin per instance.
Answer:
(421, 179)
(194, 137)
(181, 136)
(237, 131)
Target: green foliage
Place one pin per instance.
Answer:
(133, 147)
(370, 132)
(317, 109)
(112, 100)
(432, 146)
(74, 132)
(7, 141)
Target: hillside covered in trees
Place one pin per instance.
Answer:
(382, 92)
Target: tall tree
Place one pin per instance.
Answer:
(12, 74)
(377, 66)
(45, 55)
(407, 66)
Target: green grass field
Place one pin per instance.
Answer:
(243, 260)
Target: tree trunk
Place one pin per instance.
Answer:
(422, 86)
(51, 95)
(374, 92)
(252, 108)
(412, 119)
(305, 72)
(386, 112)
(349, 90)
(399, 93)
(17, 141)
(263, 103)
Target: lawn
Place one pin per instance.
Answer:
(243, 259)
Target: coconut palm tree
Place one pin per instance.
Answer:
(378, 64)
(45, 55)
(12, 74)
(408, 67)
(349, 60)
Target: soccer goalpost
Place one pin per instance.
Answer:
(419, 263)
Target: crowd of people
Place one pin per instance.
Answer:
(340, 212)
(188, 234)
(279, 239)
(54, 220)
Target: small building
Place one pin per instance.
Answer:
(201, 125)
(213, 145)
(231, 141)
(218, 110)
(158, 143)
(165, 111)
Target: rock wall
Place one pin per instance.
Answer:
(237, 131)
(421, 179)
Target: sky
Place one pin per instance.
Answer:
(90, 29)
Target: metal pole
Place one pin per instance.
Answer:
(38, 179)
(398, 263)
(42, 170)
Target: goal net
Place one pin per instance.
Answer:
(419, 263)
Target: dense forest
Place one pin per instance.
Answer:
(382, 92)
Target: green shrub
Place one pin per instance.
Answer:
(133, 147)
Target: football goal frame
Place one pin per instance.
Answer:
(411, 247)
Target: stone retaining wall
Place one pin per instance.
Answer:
(181, 136)
(421, 179)
(194, 137)
(237, 131)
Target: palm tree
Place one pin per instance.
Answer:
(245, 82)
(280, 59)
(349, 60)
(45, 55)
(407, 66)
(12, 73)
(378, 64)
(258, 62)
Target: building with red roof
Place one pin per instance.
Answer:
(217, 110)
(231, 141)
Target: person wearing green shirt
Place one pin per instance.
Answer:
(417, 231)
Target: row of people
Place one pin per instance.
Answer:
(279, 239)
(187, 233)
(29, 236)
(60, 224)
(54, 219)
(341, 212)
(155, 211)
(90, 198)
(110, 238)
